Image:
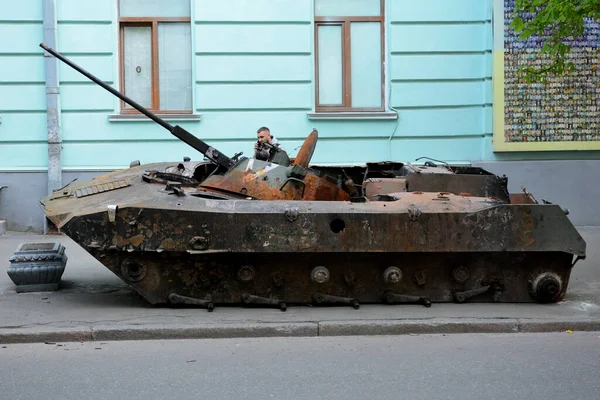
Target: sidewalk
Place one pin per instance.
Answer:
(93, 304)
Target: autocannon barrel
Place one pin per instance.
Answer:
(210, 152)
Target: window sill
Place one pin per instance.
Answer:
(378, 115)
(143, 118)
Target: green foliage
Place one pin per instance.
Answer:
(558, 21)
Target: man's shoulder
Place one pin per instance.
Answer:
(275, 143)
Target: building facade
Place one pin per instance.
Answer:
(379, 79)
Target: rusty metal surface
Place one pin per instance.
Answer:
(198, 254)
(175, 246)
(255, 186)
(164, 243)
(383, 186)
(412, 224)
(306, 151)
(475, 185)
(246, 231)
(267, 181)
(361, 277)
(521, 198)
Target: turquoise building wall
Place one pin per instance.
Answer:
(253, 66)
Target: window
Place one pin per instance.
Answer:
(349, 55)
(156, 55)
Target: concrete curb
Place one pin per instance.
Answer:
(404, 327)
(220, 331)
(407, 327)
(45, 335)
(292, 329)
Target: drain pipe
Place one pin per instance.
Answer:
(52, 103)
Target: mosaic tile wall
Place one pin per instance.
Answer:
(565, 109)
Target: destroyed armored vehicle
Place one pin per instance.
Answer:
(244, 231)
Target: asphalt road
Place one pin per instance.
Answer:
(493, 366)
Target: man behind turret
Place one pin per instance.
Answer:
(267, 148)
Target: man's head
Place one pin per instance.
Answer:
(263, 134)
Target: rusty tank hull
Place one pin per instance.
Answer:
(248, 231)
(189, 244)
